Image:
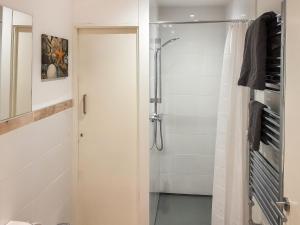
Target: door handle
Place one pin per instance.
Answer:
(84, 104)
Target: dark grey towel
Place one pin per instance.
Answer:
(255, 124)
(253, 72)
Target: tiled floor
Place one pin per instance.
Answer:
(184, 210)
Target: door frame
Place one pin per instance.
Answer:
(142, 33)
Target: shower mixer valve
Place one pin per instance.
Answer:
(155, 117)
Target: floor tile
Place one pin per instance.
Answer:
(184, 210)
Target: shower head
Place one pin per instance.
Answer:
(169, 41)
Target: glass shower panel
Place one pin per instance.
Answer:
(185, 67)
(191, 72)
(154, 154)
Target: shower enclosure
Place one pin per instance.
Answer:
(185, 71)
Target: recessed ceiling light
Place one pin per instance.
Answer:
(192, 15)
(172, 32)
(170, 25)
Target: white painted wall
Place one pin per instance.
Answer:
(1, 25)
(292, 155)
(268, 5)
(241, 9)
(35, 162)
(54, 18)
(191, 70)
(183, 13)
(20, 18)
(143, 107)
(106, 13)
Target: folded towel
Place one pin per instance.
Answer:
(253, 72)
(255, 124)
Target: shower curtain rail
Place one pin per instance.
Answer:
(200, 21)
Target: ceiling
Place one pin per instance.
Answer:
(187, 3)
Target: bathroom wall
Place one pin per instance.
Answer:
(112, 13)
(50, 17)
(292, 153)
(268, 5)
(191, 70)
(241, 9)
(183, 13)
(35, 161)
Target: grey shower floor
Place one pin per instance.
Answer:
(184, 210)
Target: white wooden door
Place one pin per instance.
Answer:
(108, 155)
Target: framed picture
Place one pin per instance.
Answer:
(54, 57)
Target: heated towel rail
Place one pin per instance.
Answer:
(265, 178)
(274, 53)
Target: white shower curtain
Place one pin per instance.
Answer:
(230, 192)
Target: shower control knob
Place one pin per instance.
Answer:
(155, 117)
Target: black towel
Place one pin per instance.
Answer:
(255, 124)
(253, 72)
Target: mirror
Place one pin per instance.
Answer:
(15, 63)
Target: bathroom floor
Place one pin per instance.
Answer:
(184, 210)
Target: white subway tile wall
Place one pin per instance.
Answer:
(191, 71)
(36, 171)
